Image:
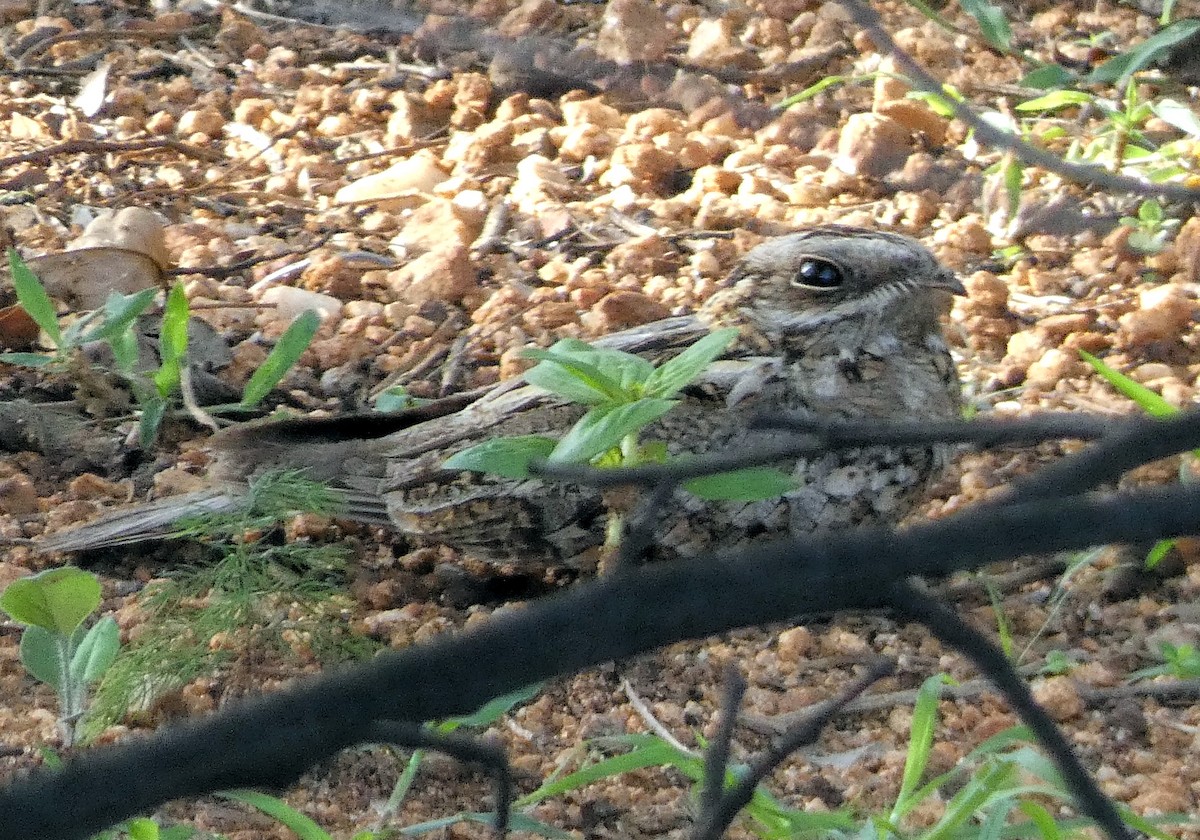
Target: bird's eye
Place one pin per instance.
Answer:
(818, 274)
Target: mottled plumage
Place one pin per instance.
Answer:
(835, 322)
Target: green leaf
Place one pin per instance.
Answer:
(153, 411)
(573, 370)
(1160, 550)
(1048, 77)
(493, 710)
(124, 346)
(993, 25)
(56, 599)
(291, 344)
(397, 398)
(1013, 178)
(1177, 114)
(1150, 402)
(509, 457)
(44, 654)
(142, 828)
(749, 485)
(625, 370)
(1118, 68)
(675, 374)
(1054, 100)
(920, 743)
(26, 359)
(33, 298)
(649, 751)
(172, 341)
(96, 652)
(603, 427)
(1041, 819)
(281, 812)
(120, 311)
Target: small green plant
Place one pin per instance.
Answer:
(284, 598)
(1150, 229)
(397, 398)
(55, 647)
(1180, 661)
(1001, 788)
(624, 394)
(115, 324)
(1057, 663)
(145, 828)
(1155, 406)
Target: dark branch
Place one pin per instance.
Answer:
(271, 741)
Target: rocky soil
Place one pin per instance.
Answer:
(294, 167)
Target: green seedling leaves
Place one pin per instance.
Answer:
(120, 311)
(44, 655)
(1055, 101)
(1048, 77)
(26, 359)
(57, 600)
(1121, 67)
(1150, 402)
(993, 25)
(154, 409)
(96, 651)
(508, 457)
(584, 374)
(1177, 114)
(493, 710)
(278, 810)
(172, 341)
(669, 378)
(749, 485)
(287, 350)
(33, 298)
(397, 398)
(603, 427)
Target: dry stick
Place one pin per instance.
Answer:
(716, 757)
(950, 629)
(466, 750)
(985, 132)
(803, 733)
(1135, 442)
(71, 147)
(105, 35)
(273, 740)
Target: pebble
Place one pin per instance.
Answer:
(872, 145)
(443, 274)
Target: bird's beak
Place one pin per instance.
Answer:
(947, 281)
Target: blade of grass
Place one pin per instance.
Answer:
(291, 344)
(279, 811)
(33, 298)
(172, 341)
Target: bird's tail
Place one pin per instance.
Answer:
(148, 521)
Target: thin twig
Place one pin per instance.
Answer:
(802, 734)
(821, 435)
(716, 757)
(654, 724)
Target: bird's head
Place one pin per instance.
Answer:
(812, 281)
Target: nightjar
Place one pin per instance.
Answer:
(835, 321)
